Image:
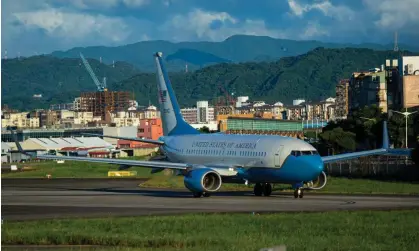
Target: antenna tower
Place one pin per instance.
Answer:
(396, 46)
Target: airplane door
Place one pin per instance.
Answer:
(277, 156)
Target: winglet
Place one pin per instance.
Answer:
(386, 142)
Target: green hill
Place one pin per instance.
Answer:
(312, 75)
(58, 80)
(237, 48)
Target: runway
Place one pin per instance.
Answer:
(28, 199)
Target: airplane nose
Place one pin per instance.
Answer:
(315, 164)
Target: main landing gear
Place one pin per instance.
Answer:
(200, 194)
(262, 188)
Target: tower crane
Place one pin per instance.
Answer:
(100, 86)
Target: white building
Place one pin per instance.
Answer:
(125, 131)
(242, 101)
(409, 65)
(298, 101)
(202, 114)
(202, 111)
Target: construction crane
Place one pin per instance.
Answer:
(228, 98)
(100, 86)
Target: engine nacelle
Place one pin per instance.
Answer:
(202, 180)
(318, 183)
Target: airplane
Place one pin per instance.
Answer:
(209, 160)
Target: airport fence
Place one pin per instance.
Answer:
(375, 166)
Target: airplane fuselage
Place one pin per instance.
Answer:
(257, 158)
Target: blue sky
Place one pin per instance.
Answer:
(42, 26)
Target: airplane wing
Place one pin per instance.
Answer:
(384, 150)
(346, 156)
(122, 162)
(152, 141)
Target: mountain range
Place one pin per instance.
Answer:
(312, 76)
(237, 48)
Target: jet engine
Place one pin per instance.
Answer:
(318, 183)
(202, 180)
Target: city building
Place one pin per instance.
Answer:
(237, 125)
(342, 102)
(410, 91)
(242, 101)
(408, 65)
(202, 111)
(151, 112)
(190, 115)
(100, 103)
(126, 131)
(367, 88)
(5, 153)
(63, 106)
(150, 128)
(19, 120)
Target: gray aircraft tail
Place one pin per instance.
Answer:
(172, 119)
(19, 147)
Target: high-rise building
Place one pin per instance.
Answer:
(342, 106)
(367, 88)
(100, 103)
(410, 91)
(202, 111)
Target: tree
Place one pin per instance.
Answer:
(204, 129)
(339, 139)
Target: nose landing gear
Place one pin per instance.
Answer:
(298, 190)
(262, 188)
(298, 193)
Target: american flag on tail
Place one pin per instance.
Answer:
(162, 95)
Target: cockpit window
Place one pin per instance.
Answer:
(300, 153)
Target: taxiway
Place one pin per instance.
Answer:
(26, 199)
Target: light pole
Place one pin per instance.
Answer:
(406, 115)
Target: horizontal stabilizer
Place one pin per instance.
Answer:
(150, 141)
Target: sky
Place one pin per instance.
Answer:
(30, 27)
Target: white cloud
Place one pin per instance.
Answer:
(197, 24)
(327, 8)
(314, 30)
(79, 26)
(395, 14)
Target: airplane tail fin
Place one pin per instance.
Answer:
(386, 141)
(19, 147)
(172, 119)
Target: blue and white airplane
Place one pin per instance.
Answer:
(208, 160)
